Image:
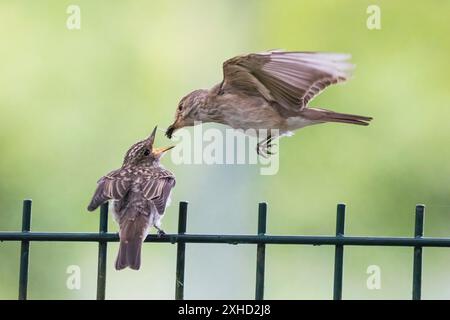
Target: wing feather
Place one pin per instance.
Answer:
(158, 190)
(290, 79)
(114, 185)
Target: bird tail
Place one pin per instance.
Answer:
(324, 115)
(132, 235)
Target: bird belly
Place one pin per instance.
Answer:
(294, 123)
(253, 117)
(113, 207)
(156, 219)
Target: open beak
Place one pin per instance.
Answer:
(160, 151)
(151, 138)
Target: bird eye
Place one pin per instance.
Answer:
(146, 152)
(180, 107)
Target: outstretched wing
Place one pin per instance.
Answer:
(158, 190)
(290, 79)
(114, 185)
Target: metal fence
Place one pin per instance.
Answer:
(260, 239)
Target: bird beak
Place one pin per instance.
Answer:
(170, 131)
(174, 126)
(158, 152)
(151, 139)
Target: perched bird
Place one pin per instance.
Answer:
(271, 91)
(140, 190)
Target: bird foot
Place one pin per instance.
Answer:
(264, 149)
(160, 233)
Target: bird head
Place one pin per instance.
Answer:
(143, 152)
(188, 111)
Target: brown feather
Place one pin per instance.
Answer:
(323, 115)
(114, 185)
(133, 232)
(291, 79)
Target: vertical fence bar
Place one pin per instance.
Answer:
(181, 250)
(339, 253)
(102, 250)
(261, 252)
(417, 264)
(24, 251)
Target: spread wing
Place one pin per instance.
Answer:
(158, 190)
(290, 79)
(114, 185)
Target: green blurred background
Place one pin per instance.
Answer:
(73, 101)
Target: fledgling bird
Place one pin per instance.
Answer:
(140, 190)
(269, 90)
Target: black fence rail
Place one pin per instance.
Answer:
(260, 239)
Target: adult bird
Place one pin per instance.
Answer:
(140, 190)
(270, 91)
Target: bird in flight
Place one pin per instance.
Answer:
(269, 91)
(140, 190)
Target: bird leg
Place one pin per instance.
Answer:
(263, 147)
(160, 232)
